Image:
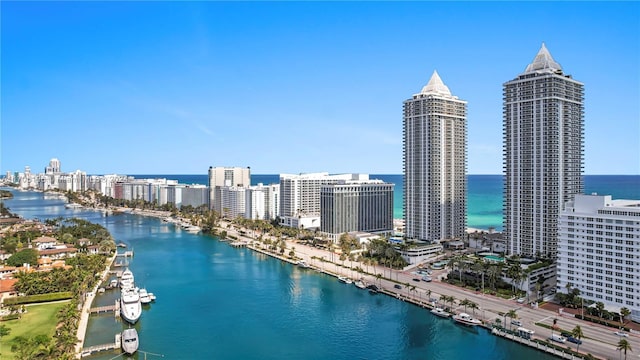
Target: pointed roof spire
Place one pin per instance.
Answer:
(436, 85)
(543, 61)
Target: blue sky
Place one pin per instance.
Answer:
(289, 87)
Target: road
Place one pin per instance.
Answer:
(598, 340)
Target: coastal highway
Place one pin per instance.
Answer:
(598, 340)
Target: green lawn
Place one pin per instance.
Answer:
(39, 319)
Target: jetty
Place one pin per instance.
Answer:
(107, 308)
(239, 243)
(128, 253)
(88, 351)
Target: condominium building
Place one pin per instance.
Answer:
(262, 202)
(543, 154)
(351, 205)
(435, 147)
(226, 176)
(599, 251)
(231, 201)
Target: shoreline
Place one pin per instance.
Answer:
(85, 312)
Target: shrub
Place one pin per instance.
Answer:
(38, 298)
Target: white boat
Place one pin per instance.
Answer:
(466, 319)
(438, 311)
(129, 341)
(126, 280)
(345, 279)
(360, 284)
(144, 296)
(113, 283)
(193, 229)
(152, 296)
(130, 306)
(303, 264)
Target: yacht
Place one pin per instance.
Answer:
(193, 229)
(129, 341)
(360, 284)
(130, 306)
(152, 297)
(303, 264)
(126, 281)
(438, 311)
(345, 280)
(145, 298)
(466, 319)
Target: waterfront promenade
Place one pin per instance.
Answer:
(86, 308)
(598, 340)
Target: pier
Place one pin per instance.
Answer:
(238, 243)
(107, 308)
(535, 344)
(88, 351)
(128, 253)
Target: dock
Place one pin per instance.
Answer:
(88, 351)
(107, 308)
(238, 244)
(128, 253)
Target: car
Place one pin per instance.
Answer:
(557, 338)
(426, 278)
(397, 286)
(570, 338)
(516, 322)
(416, 279)
(621, 334)
(521, 300)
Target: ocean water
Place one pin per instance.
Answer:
(484, 202)
(218, 302)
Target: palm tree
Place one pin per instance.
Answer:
(623, 345)
(429, 294)
(624, 312)
(444, 299)
(600, 307)
(577, 333)
(512, 315)
(464, 303)
(473, 306)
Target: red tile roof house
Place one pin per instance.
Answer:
(58, 253)
(7, 289)
(44, 242)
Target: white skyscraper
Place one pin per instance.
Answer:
(435, 152)
(598, 246)
(543, 154)
(226, 176)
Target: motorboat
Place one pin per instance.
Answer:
(303, 264)
(466, 319)
(152, 297)
(129, 341)
(344, 279)
(144, 296)
(130, 306)
(193, 229)
(373, 289)
(438, 311)
(113, 283)
(360, 284)
(126, 280)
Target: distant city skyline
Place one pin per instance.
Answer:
(291, 87)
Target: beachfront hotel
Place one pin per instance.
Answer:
(356, 205)
(225, 176)
(598, 247)
(435, 160)
(300, 197)
(543, 154)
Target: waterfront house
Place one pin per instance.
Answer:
(44, 242)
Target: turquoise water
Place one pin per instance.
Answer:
(484, 202)
(217, 302)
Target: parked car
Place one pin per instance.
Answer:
(557, 338)
(570, 338)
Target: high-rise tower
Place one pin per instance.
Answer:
(435, 160)
(543, 154)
